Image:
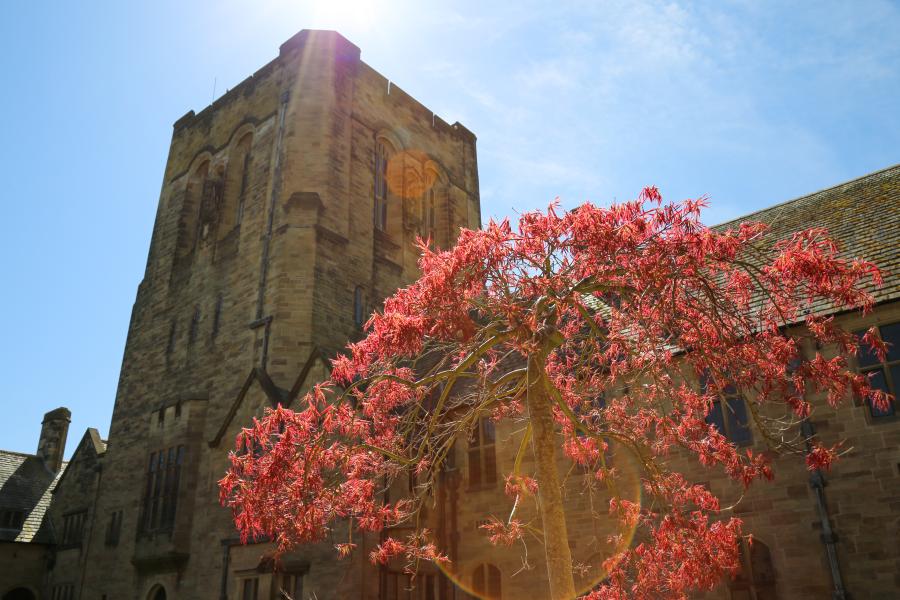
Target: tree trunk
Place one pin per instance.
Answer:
(553, 514)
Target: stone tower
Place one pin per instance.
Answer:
(288, 211)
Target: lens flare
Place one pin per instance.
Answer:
(594, 535)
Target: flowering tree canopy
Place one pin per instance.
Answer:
(635, 304)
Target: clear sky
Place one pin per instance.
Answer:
(751, 103)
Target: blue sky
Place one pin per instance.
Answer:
(751, 103)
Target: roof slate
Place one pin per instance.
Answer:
(862, 216)
(26, 484)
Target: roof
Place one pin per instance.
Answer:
(862, 216)
(26, 484)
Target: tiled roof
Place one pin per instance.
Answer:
(26, 485)
(862, 216)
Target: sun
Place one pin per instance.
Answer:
(359, 15)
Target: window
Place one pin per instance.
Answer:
(884, 376)
(482, 459)
(756, 580)
(217, 316)
(63, 591)
(161, 491)
(237, 183)
(245, 177)
(486, 581)
(11, 518)
(382, 157)
(73, 528)
(195, 325)
(428, 213)
(198, 188)
(290, 586)
(729, 415)
(170, 346)
(359, 311)
(114, 528)
(250, 588)
(395, 586)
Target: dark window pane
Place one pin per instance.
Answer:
(879, 382)
(866, 356)
(488, 428)
(738, 422)
(715, 417)
(891, 335)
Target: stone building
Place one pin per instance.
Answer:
(288, 211)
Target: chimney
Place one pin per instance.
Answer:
(52, 444)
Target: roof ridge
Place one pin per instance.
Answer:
(17, 453)
(805, 196)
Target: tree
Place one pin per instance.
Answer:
(633, 303)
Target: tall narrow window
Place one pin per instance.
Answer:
(395, 586)
(245, 182)
(359, 313)
(729, 415)
(486, 582)
(236, 186)
(217, 316)
(884, 376)
(198, 187)
(161, 490)
(756, 579)
(114, 528)
(382, 157)
(250, 588)
(426, 229)
(170, 345)
(195, 325)
(482, 457)
(290, 586)
(73, 528)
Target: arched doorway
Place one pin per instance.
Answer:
(19, 593)
(157, 593)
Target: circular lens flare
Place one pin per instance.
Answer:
(482, 569)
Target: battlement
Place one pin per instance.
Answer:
(344, 51)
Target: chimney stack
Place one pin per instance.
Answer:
(54, 429)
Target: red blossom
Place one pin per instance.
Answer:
(629, 307)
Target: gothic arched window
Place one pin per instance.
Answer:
(482, 456)
(237, 182)
(190, 211)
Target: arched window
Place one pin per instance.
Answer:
(190, 210)
(482, 457)
(359, 311)
(756, 581)
(486, 582)
(237, 183)
(383, 152)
